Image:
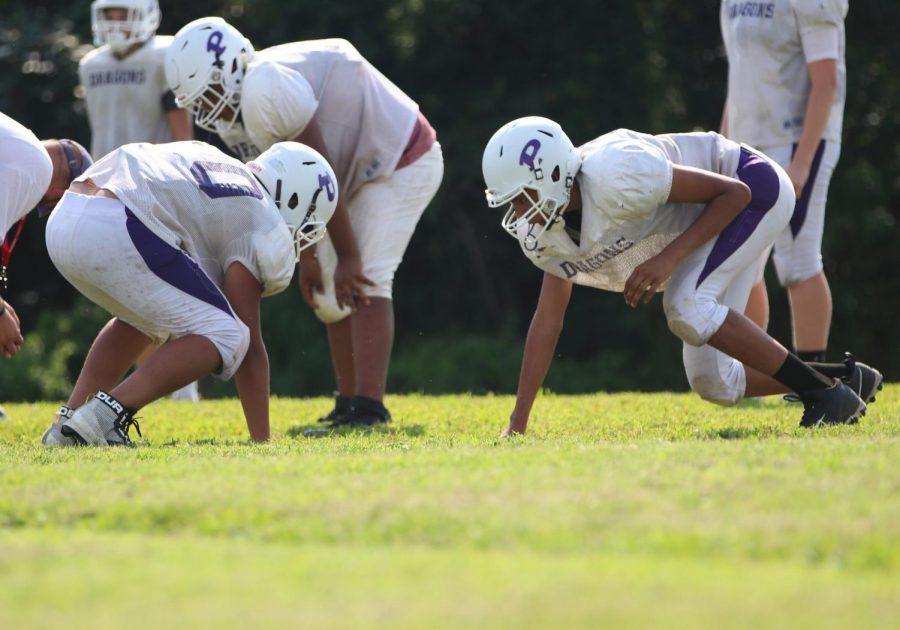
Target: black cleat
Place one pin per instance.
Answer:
(341, 406)
(835, 405)
(364, 412)
(865, 381)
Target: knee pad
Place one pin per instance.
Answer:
(694, 321)
(711, 388)
(328, 310)
(232, 343)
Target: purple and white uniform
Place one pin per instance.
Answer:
(626, 219)
(369, 126)
(156, 257)
(124, 97)
(769, 46)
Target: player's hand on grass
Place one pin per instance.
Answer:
(349, 282)
(10, 334)
(647, 277)
(516, 427)
(310, 277)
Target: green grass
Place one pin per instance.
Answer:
(617, 510)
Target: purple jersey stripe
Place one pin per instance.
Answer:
(173, 265)
(800, 210)
(755, 171)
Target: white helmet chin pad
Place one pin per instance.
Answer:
(139, 25)
(205, 67)
(303, 186)
(534, 156)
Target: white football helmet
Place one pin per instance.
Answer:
(303, 186)
(205, 67)
(530, 155)
(139, 26)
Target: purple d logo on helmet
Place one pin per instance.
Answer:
(326, 184)
(528, 155)
(214, 45)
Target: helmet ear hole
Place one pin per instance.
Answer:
(294, 201)
(555, 175)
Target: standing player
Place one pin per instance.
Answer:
(786, 87)
(179, 242)
(388, 163)
(637, 213)
(125, 89)
(32, 173)
(124, 82)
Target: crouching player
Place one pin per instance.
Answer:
(636, 213)
(179, 242)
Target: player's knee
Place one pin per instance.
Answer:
(691, 320)
(231, 340)
(328, 310)
(712, 388)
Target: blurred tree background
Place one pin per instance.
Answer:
(464, 295)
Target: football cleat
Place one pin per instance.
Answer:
(53, 435)
(341, 406)
(364, 412)
(834, 405)
(865, 381)
(103, 421)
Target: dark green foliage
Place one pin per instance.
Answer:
(465, 295)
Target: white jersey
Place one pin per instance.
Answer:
(366, 121)
(124, 97)
(198, 199)
(769, 45)
(25, 172)
(625, 181)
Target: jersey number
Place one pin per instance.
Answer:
(204, 172)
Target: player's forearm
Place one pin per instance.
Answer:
(723, 124)
(341, 232)
(180, 124)
(252, 380)
(818, 110)
(540, 345)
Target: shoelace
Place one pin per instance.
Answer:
(127, 422)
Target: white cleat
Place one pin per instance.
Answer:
(53, 435)
(103, 421)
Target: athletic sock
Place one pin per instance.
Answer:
(800, 377)
(811, 356)
(834, 370)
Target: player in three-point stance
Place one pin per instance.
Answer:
(125, 92)
(689, 213)
(786, 87)
(179, 242)
(388, 163)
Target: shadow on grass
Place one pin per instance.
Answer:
(322, 431)
(739, 433)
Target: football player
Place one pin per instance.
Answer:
(689, 213)
(386, 156)
(32, 173)
(179, 242)
(124, 83)
(126, 96)
(786, 86)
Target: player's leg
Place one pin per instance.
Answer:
(707, 296)
(798, 258)
(154, 288)
(384, 215)
(758, 302)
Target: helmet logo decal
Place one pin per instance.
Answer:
(528, 156)
(214, 45)
(327, 184)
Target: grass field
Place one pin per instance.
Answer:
(627, 510)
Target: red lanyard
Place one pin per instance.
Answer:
(8, 246)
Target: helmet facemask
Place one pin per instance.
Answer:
(139, 25)
(208, 106)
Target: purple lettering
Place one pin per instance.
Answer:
(214, 45)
